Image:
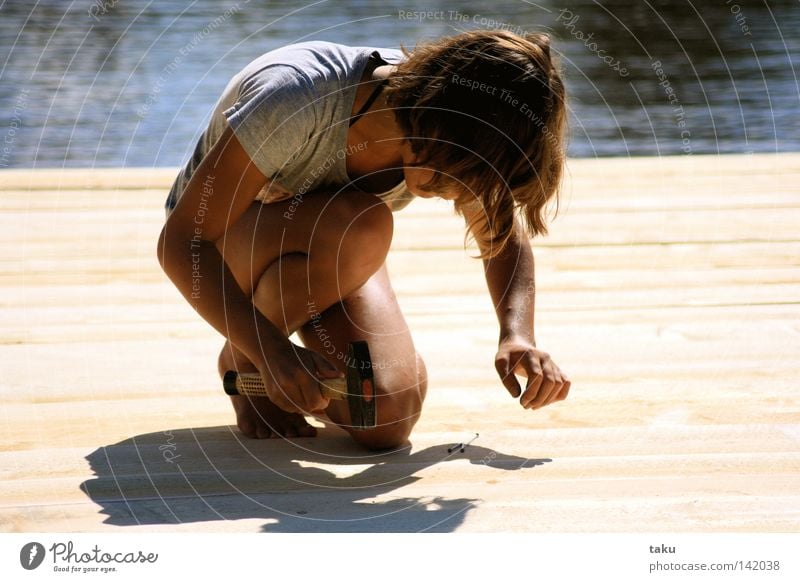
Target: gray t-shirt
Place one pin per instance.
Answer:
(290, 110)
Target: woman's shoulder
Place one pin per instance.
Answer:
(319, 61)
(317, 74)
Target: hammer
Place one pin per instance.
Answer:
(357, 387)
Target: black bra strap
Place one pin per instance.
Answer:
(373, 96)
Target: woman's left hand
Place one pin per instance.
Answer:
(546, 382)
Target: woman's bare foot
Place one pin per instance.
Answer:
(259, 418)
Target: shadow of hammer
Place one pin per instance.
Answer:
(357, 387)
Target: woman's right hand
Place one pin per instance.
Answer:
(291, 376)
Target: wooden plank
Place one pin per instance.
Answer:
(668, 290)
(621, 169)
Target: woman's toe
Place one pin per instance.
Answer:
(248, 429)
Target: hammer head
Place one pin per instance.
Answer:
(360, 386)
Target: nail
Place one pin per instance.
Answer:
(470, 442)
(462, 446)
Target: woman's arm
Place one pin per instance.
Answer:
(220, 190)
(510, 278)
(224, 185)
(511, 282)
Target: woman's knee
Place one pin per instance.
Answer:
(365, 226)
(400, 396)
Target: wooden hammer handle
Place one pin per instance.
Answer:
(252, 385)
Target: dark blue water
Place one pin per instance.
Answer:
(131, 82)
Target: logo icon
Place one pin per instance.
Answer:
(31, 555)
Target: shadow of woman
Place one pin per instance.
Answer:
(326, 484)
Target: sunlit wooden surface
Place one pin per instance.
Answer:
(669, 290)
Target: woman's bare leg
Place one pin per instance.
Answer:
(288, 256)
(373, 314)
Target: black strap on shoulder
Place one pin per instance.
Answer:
(375, 92)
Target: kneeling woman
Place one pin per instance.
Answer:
(282, 219)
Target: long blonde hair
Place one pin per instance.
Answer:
(485, 110)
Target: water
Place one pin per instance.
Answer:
(131, 83)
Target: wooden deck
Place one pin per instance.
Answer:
(669, 290)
